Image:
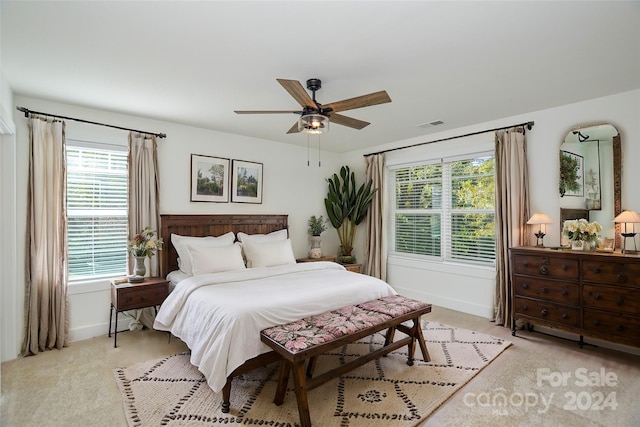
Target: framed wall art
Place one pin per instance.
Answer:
(571, 174)
(246, 182)
(209, 179)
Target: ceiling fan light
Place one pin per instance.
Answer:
(313, 123)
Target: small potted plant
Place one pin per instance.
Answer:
(316, 226)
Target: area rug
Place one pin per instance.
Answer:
(385, 392)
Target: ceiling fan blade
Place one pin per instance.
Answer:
(298, 92)
(359, 101)
(294, 128)
(267, 112)
(339, 119)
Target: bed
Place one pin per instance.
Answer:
(220, 315)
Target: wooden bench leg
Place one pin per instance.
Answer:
(283, 380)
(421, 343)
(311, 366)
(300, 383)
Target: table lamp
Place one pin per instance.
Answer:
(541, 220)
(628, 217)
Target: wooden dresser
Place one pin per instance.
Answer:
(592, 294)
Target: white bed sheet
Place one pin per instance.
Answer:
(220, 316)
(176, 277)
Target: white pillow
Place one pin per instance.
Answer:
(274, 236)
(181, 242)
(269, 253)
(211, 259)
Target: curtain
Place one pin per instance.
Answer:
(46, 308)
(143, 200)
(512, 213)
(375, 239)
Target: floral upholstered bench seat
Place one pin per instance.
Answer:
(306, 339)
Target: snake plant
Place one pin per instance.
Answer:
(347, 205)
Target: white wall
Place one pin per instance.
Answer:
(472, 289)
(290, 187)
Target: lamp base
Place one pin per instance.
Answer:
(540, 235)
(624, 243)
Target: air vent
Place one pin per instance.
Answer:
(430, 124)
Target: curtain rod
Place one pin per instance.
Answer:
(26, 112)
(529, 125)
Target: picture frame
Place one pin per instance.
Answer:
(209, 179)
(571, 174)
(246, 182)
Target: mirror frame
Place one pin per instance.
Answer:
(617, 177)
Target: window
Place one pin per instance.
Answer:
(446, 210)
(96, 210)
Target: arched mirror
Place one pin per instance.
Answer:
(590, 176)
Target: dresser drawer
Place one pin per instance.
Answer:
(546, 266)
(549, 312)
(562, 292)
(616, 298)
(611, 272)
(606, 323)
(138, 297)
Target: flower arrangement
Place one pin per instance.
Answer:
(317, 225)
(582, 230)
(145, 243)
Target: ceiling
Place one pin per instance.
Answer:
(194, 63)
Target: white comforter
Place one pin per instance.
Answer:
(220, 316)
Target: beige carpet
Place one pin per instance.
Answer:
(386, 392)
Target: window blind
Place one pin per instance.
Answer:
(96, 211)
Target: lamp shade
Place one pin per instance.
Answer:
(627, 217)
(540, 218)
(313, 123)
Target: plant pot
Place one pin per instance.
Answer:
(316, 250)
(346, 259)
(578, 245)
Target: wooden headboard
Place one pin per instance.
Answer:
(211, 225)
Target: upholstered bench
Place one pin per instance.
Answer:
(308, 338)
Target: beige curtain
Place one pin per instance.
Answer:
(46, 309)
(375, 239)
(143, 207)
(512, 212)
(143, 191)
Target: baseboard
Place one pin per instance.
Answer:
(97, 330)
(452, 304)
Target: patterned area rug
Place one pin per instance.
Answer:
(385, 392)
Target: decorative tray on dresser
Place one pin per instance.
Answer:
(594, 294)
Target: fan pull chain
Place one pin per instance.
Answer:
(319, 164)
(308, 164)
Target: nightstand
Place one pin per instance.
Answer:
(324, 258)
(130, 296)
(357, 268)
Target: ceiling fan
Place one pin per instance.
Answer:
(315, 117)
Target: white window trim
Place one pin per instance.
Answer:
(401, 258)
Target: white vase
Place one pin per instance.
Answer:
(316, 250)
(578, 245)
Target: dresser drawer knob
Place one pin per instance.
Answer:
(544, 290)
(564, 267)
(622, 278)
(619, 300)
(525, 307)
(526, 263)
(565, 292)
(597, 297)
(596, 322)
(596, 269)
(525, 286)
(142, 298)
(543, 312)
(544, 270)
(565, 316)
(619, 328)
